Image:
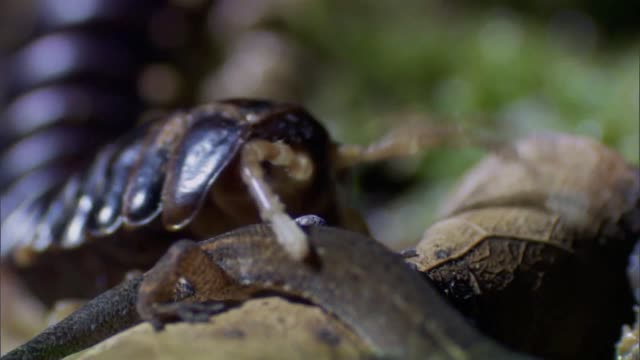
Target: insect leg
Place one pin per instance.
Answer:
(414, 138)
(299, 167)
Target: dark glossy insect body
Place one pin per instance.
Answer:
(176, 176)
(71, 85)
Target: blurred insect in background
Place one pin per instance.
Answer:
(82, 75)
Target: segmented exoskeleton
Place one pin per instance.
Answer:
(73, 228)
(196, 173)
(192, 168)
(74, 86)
(70, 87)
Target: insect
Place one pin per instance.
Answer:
(65, 97)
(195, 173)
(59, 197)
(71, 86)
(534, 242)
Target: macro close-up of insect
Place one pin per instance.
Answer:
(215, 179)
(224, 161)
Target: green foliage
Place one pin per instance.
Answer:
(503, 73)
(495, 69)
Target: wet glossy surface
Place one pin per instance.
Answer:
(154, 181)
(106, 217)
(202, 154)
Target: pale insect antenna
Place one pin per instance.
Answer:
(271, 209)
(417, 136)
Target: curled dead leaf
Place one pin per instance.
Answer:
(533, 245)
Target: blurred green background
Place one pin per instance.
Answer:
(502, 68)
(365, 66)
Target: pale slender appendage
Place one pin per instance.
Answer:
(409, 139)
(299, 168)
(413, 138)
